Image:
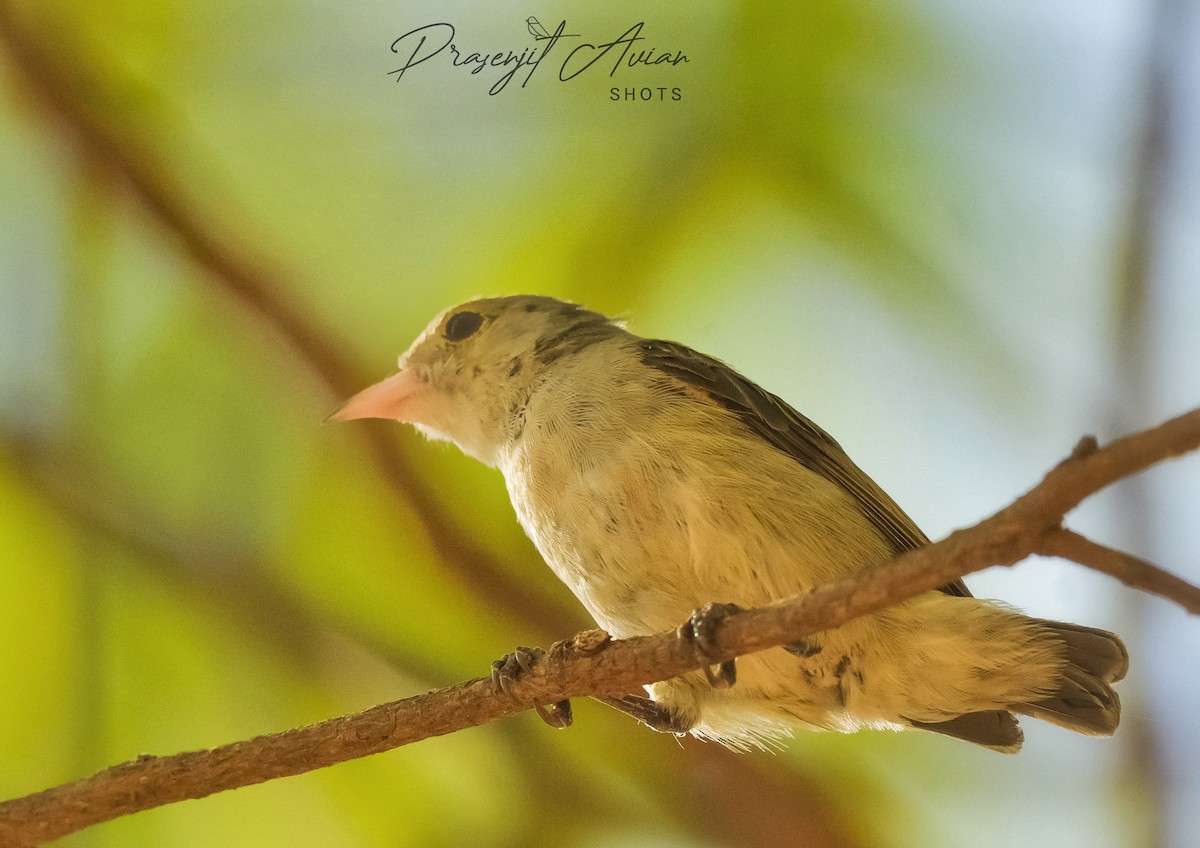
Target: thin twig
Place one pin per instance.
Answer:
(588, 666)
(1133, 572)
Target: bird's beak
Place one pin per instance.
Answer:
(386, 399)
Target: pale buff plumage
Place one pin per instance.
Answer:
(648, 495)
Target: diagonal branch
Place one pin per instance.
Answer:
(591, 664)
(268, 610)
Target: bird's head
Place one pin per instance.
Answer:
(469, 374)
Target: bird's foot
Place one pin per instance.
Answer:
(700, 630)
(507, 670)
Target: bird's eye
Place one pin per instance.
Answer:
(462, 325)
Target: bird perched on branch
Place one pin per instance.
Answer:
(654, 480)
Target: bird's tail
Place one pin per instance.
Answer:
(1084, 701)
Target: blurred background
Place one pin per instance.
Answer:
(958, 236)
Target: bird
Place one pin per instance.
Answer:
(654, 479)
(536, 29)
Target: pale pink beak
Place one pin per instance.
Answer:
(386, 399)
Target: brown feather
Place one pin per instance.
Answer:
(772, 419)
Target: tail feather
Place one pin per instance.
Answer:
(995, 729)
(1098, 652)
(1084, 701)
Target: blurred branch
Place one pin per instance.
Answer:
(592, 664)
(242, 588)
(1154, 172)
(261, 291)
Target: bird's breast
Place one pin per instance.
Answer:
(612, 524)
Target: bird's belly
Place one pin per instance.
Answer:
(641, 549)
(623, 554)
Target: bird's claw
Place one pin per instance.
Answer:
(507, 670)
(559, 716)
(700, 631)
(725, 675)
(804, 648)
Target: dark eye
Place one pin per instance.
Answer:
(462, 325)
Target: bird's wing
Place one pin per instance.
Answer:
(770, 418)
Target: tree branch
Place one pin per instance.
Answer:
(252, 600)
(590, 664)
(1133, 572)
